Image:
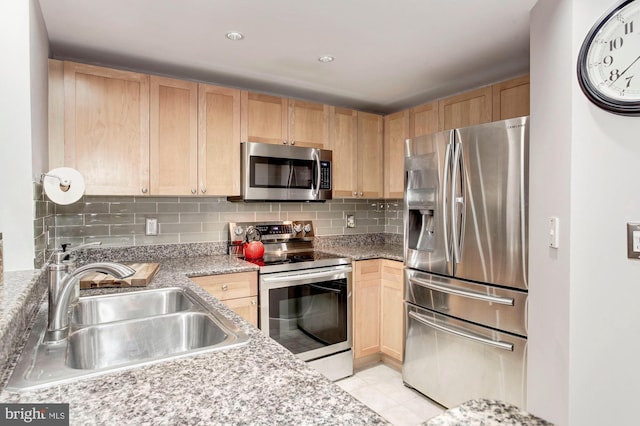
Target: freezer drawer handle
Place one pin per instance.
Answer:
(499, 345)
(470, 294)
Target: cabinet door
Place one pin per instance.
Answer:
(308, 124)
(423, 120)
(246, 307)
(174, 136)
(218, 140)
(511, 98)
(392, 322)
(344, 144)
(466, 109)
(366, 312)
(370, 165)
(396, 131)
(264, 118)
(107, 128)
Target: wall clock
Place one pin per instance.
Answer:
(609, 60)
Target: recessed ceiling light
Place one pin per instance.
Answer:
(326, 58)
(234, 35)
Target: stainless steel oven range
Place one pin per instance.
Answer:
(304, 294)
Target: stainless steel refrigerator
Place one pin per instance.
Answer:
(465, 208)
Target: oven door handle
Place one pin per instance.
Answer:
(334, 290)
(422, 320)
(302, 276)
(464, 293)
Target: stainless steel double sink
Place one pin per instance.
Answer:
(121, 331)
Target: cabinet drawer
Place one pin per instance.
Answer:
(229, 286)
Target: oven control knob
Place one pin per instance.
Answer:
(307, 228)
(297, 228)
(239, 230)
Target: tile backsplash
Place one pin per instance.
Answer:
(43, 223)
(120, 221)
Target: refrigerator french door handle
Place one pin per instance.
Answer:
(464, 293)
(457, 230)
(445, 190)
(497, 344)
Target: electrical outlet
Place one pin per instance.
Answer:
(633, 240)
(151, 226)
(351, 221)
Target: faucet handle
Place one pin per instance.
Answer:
(59, 254)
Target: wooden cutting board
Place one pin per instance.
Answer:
(143, 276)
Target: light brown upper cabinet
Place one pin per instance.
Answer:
(218, 140)
(466, 109)
(423, 119)
(106, 128)
(174, 136)
(344, 144)
(357, 145)
(276, 120)
(511, 98)
(396, 131)
(370, 152)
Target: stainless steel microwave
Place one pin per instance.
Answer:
(284, 173)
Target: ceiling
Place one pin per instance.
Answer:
(389, 54)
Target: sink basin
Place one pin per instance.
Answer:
(122, 331)
(138, 304)
(122, 342)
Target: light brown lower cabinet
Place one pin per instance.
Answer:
(239, 291)
(378, 319)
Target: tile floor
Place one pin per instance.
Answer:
(380, 388)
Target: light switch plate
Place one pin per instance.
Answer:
(633, 240)
(554, 229)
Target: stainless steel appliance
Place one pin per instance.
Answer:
(304, 294)
(284, 173)
(466, 263)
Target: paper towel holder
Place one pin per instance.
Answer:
(65, 184)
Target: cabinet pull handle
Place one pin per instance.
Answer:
(361, 193)
(224, 287)
(144, 190)
(284, 142)
(204, 189)
(193, 190)
(253, 302)
(293, 142)
(355, 193)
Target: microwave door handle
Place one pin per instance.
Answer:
(316, 190)
(497, 344)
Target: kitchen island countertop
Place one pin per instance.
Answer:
(258, 383)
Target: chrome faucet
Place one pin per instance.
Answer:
(63, 288)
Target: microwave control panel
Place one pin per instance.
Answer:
(325, 175)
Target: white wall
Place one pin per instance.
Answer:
(584, 314)
(21, 45)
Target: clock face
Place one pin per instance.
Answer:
(609, 61)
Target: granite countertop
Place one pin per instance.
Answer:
(258, 383)
(486, 412)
